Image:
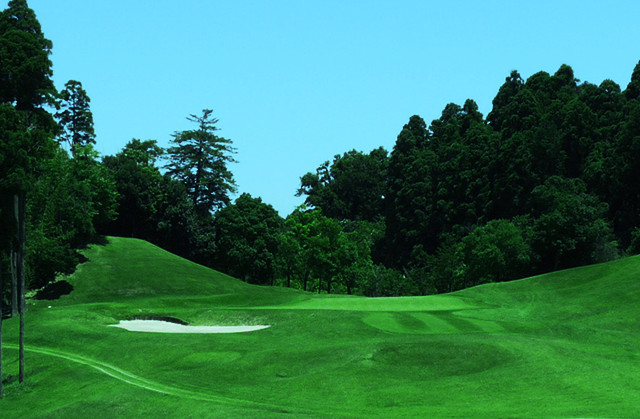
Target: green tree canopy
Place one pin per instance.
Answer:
(75, 117)
(199, 160)
(570, 227)
(495, 252)
(247, 237)
(25, 68)
(633, 89)
(352, 187)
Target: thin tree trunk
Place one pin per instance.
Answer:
(1, 288)
(20, 218)
(13, 261)
(306, 278)
(21, 368)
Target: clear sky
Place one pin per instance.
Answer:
(295, 82)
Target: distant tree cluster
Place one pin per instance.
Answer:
(547, 181)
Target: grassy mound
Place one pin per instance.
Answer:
(557, 345)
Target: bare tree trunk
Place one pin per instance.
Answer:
(1, 288)
(306, 278)
(21, 368)
(14, 282)
(20, 218)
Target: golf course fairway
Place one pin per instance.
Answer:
(565, 344)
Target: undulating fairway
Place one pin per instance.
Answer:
(560, 345)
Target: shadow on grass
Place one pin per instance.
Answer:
(54, 291)
(100, 240)
(161, 318)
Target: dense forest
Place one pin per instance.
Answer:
(546, 181)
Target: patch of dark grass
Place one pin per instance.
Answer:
(443, 357)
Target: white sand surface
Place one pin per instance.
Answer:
(160, 326)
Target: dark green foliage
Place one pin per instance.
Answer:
(410, 183)
(314, 238)
(25, 68)
(570, 228)
(199, 160)
(75, 117)
(547, 181)
(26, 128)
(139, 184)
(633, 89)
(153, 206)
(247, 234)
(350, 188)
(23, 150)
(506, 113)
(67, 201)
(321, 254)
(495, 252)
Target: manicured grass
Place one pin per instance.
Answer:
(558, 345)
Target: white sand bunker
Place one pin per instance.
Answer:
(160, 326)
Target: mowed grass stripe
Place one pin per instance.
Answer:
(429, 323)
(435, 323)
(356, 303)
(472, 325)
(460, 324)
(486, 326)
(411, 323)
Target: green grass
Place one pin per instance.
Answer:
(559, 345)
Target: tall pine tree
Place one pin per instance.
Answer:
(26, 127)
(75, 117)
(199, 160)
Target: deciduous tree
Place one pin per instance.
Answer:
(247, 234)
(352, 187)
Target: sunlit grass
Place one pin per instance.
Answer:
(558, 345)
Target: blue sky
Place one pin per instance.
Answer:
(295, 82)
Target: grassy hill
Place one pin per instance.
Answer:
(557, 345)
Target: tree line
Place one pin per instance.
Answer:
(546, 181)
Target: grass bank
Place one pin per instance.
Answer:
(558, 345)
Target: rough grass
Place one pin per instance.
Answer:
(559, 345)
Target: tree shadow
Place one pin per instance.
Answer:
(100, 240)
(54, 291)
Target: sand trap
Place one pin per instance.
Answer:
(160, 326)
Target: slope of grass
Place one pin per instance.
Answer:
(558, 345)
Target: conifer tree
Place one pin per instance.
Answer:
(26, 127)
(199, 160)
(75, 117)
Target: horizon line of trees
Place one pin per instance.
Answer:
(546, 181)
